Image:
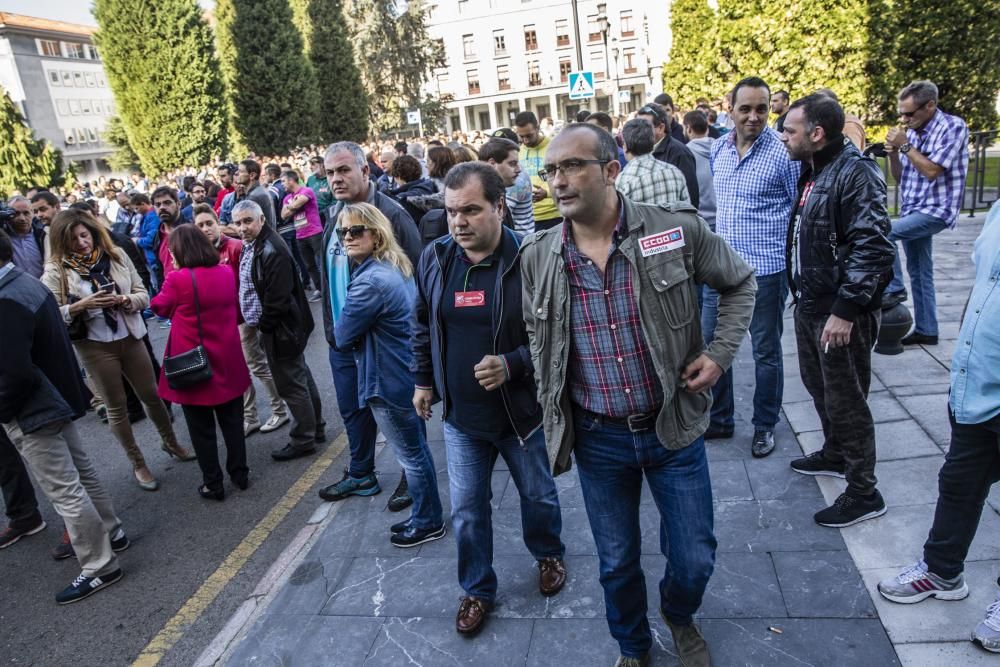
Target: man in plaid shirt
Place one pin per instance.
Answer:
(644, 178)
(929, 159)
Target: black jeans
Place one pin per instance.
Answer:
(971, 467)
(838, 380)
(201, 426)
(18, 494)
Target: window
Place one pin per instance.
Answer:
(562, 32)
(463, 7)
(67, 78)
(85, 107)
(499, 43)
(593, 29)
(81, 135)
(628, 30)
(534, 74)
(70, 138)
(73, 50)
(101, 80)
(74, 107)
(98, 107)
(469, 46)
(92, 134)
(442, 55)
(472, 76)
(62, 106)
(49, 47)
(91, 79)
(110, 106)
(565, 67)
(54, 77)
(78, 79)
(628, 56)
(503, 77)
(597, 64)
(530, 38)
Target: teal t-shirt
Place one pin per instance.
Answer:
(338, 270)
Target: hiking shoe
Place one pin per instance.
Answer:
(628, 661)
(816, 464)
(762, 444)
(119, 540)
(64, 549)
(83, 587)
(12, 534)
(400, 498)
(273, 423)
(412, 537)
(915, 583)
(349, 486)
(692, 649)
(987, 633)
(848, 510)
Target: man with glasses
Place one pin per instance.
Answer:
(27, 238)
(624, 376)
(197, 195)
(929, 158)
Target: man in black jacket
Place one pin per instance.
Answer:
(668, 149)
(470, 348)
(40, 396)
(27, 237)
(272, 299)
(840, 259)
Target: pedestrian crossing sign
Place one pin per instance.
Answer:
(581, 85)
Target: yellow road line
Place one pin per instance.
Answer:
(210, 589)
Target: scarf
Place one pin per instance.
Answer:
(95, 268)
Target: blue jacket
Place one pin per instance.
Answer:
(375, 323)
(510, 338)
(149, 237)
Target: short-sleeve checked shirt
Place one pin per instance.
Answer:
(249, 300)
(754, 198)
(611, 370)
(944, 140)
(650, 181)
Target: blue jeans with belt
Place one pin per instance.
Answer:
(612, 462)
(917, 231)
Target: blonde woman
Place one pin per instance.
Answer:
(101, 298)
(375, 326)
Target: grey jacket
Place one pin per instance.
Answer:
(665, 285)
(702, 149)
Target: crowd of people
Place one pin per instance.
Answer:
(568, 293)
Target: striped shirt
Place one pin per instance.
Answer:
(519, 204)
(754, 197)
(650, 181)
(944, 140)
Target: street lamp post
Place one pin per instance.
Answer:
(604, 25)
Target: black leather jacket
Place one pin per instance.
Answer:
(846, 257)
(285, 313)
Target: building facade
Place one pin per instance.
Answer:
(53, 73)
(506, 56)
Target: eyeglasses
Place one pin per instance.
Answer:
(651, 111)
(911, 114)
(569, 168)
(354, 230)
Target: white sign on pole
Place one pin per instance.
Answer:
(581, 85)
(624, 95)
(413, 117)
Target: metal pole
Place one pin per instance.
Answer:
(576, 38)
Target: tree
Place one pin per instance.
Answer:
(123, 158)
(162, 69)
(24, 160)
(275, 102)
(343, 100)
(690, 73)
(395, 54)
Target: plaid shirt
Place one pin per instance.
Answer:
(754, 198)
(944, 140)
(611, 371)
(249, 300)
(650, 181)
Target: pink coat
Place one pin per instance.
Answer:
(219, 308)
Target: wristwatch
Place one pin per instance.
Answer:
(905, 148)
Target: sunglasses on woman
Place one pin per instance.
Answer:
(354, 230)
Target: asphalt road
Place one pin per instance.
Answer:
(178, 540)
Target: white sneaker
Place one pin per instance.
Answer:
(250, 427)
(987, 633)
(274, 423)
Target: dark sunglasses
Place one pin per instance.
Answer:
(911, 114)
(354, 230)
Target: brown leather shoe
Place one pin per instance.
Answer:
(471, 615)
(551, 576)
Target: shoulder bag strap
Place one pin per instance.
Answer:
(197, 307)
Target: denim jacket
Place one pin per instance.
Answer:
(375, 324)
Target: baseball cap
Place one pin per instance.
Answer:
(505, 133)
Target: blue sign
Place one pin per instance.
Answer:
(581, 85)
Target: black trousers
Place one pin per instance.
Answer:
(838, 380)
(971, 467)
(201, 421)
(18, 494)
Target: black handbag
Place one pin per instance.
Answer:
(189, 368)
(77, 327)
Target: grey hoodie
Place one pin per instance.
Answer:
(702, 149)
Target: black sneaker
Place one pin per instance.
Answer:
(816, 464)
(399, 527)
(400, 498)
(12, 534)
(83, 587)
(290, 452)
(349, 486)
(119, 540)
(718, 433)
(919, 339)
(412, 537)
(763, 444)
(848, 510)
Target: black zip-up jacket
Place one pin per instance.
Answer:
(846, 256)
(285, 313)
(510, 337)
(674, 152)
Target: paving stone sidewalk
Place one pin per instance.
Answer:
(355, 599)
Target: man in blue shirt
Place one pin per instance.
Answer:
(755, 186)
(972, 464)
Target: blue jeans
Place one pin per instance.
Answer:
(765, 336)
(359, 423)
(612, 462)
(917, 231)
(470, 464)
(402, 428)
